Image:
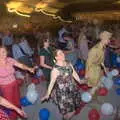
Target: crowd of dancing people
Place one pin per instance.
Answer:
(56, 56)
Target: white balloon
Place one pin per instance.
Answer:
(86, 97)
(118, 59)
(39, 72)
(108, 83)
(109, 75)
(32, 96)
(103, 78)
(107, 109)
(31, 87)
(115, 72)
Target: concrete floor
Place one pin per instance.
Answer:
(33, 110)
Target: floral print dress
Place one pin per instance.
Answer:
(66, 94)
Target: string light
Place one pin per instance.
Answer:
(21, 14)
(18, 13)
(11, 10)
(53, 15)
(15, 7)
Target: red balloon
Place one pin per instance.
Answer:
(102, 91)
(35, 81)
(84, 87)
(93, 115)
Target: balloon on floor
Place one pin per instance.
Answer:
(107, 83)
(38, 73)
(79, 65)
(107, 109)
(32, 94)
(118, 91)
(93, 115)
(80, 68)
(86, 97)
(84, 87)
(115, 72)
(35, 81)
(25, 102)
(102, 91)
(117, 81)
(44, 114)
(31, 87)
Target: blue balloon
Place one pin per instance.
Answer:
(24, 102)
(115, 62)
(117, 81)
(118, 91)
(80, 65)
(44, 114)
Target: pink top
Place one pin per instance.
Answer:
(7, 73)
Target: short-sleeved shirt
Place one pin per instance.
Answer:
(7, 73)
(47, 53)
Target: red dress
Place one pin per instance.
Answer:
(9, 87)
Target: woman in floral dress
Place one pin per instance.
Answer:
(63, 87)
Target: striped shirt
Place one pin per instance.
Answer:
(7, 72)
